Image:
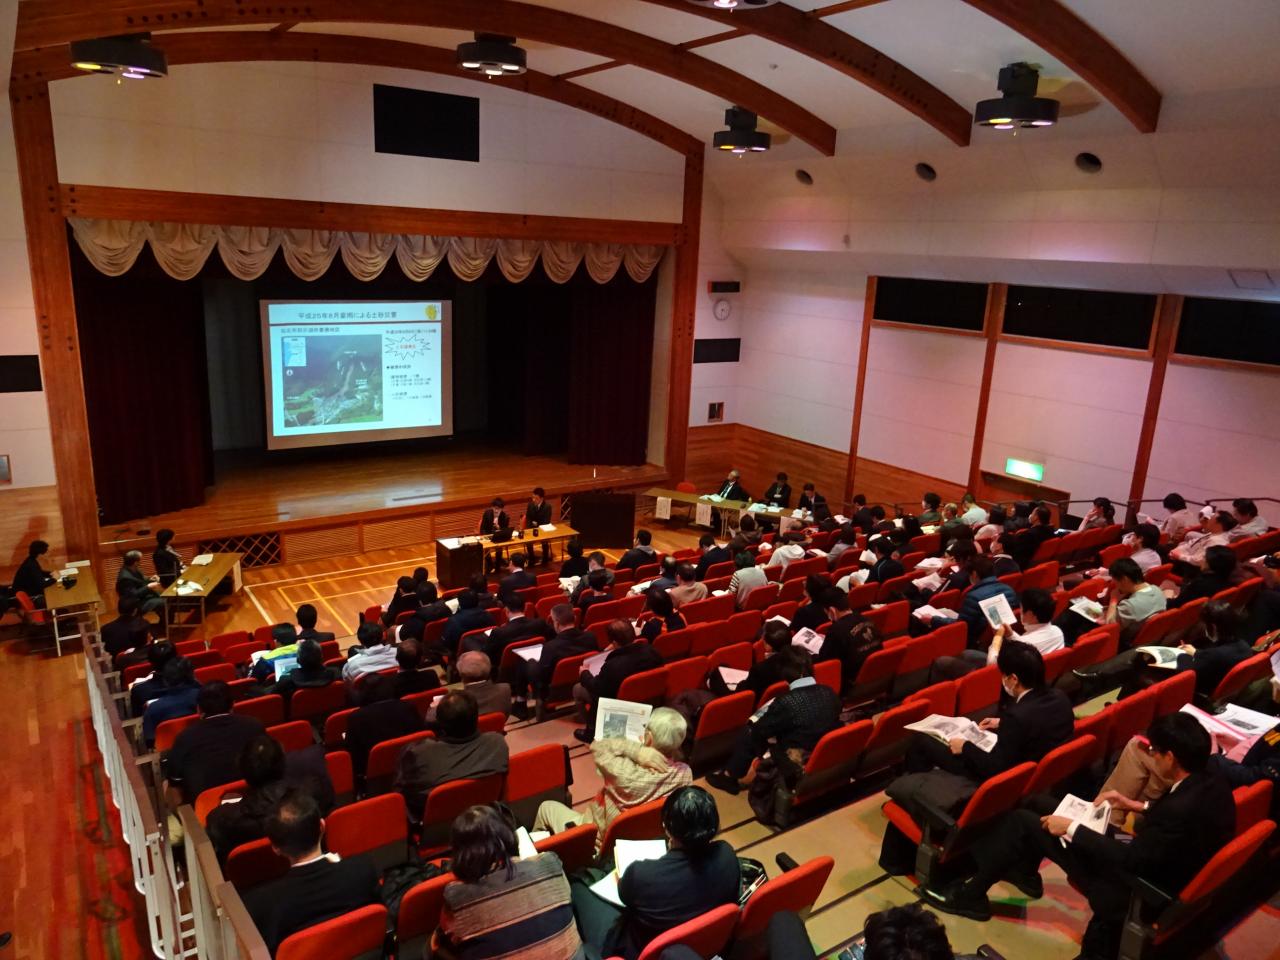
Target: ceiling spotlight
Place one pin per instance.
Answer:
(130, 55)
(733, 4)
(492, 55)
(742, 135)
(1019, 107)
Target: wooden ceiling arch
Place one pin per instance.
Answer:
(46, 23)
(229, 46)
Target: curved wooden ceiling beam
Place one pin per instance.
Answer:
(229, 46)
(841, 51)
(44, 23)
(1050, 25)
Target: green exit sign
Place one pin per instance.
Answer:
(1024, 469)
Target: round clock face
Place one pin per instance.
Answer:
(722, 309)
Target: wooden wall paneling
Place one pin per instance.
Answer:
(864, 344)
(239, 46)
(684, 301)
(379, 534)
(712, 450)
(334, 541)
(885, 483)
(992, 323)
(50, 267)
(761, 455)
(124, 203)
(1168, 312)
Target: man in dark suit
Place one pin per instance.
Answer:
(470, 616)
(597, 592)
(532, 679)
(1177, 835)
(763, 673)
(380, 717)
(731, 489)
(317, 887)
(536, 513)
(667, 574)
(494, 518)
(626, 658)
(640, 554)
(128, 631)
(814, 502)
(132, 582)
(711, 555)
(206, 754)
(30, 577)
(166, 560)
(405, 598)
(306, 616)
(430, 608)
(862, 516)
(779, 493)
(1024, 546)
(797, 720)
(517, 627)
(516, 579)
(886, 566)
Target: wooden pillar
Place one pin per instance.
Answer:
(56, 318)
(992, 323)
(1168, 313)
(868, 312)
(684, 301)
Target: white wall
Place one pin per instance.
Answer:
(1217, 435)
(801, 336)
(305, 131)
(24, 418)
(713, 382)
(921, 400)
(1080, 414)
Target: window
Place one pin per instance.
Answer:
(931, 303)
(1081, 316)
(1246, 330)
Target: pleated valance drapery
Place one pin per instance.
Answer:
(181, 249)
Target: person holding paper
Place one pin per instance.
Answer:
(31, 578)
(517, 627)
(625, 658)
(597, 592)
(1177, 836)
(886, 565)
(791, 546)
(984, 586)
(595, 561)
(731, 489)
(132, 582)
(632, 773)
(698, 874)
(502, 904)
(531, 679)
(1038, 630)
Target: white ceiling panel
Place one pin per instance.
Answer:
(688, 108)
(647, 18)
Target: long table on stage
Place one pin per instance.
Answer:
(728, 509)
(205, 577)
(78, 603)
(458, 558)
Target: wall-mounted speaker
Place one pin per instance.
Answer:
(724, 286)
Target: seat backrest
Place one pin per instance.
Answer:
(168, 731)
(240, 654)
(829, 673)
(602, 612)
(947, 599)
(1043, 576)
(997, 795)
(208, 800)
(1158, 575)
(1156, 627)
(796, 890)
(891, 619)
(353, 935)
(1253, 803)
(791, 590)
(269, 709)
(341, 774)
(1057, 663)
(736, 655)
(335, 727)
(838, 746)
(204, 658)
(941, 697)
(1242, 674)
(495, 722)
(675, 645)
(1062, 762)
(706, 935)
(647, 686)
(384, 757)
(743, 626)
(253, 863)
(447, 800)
(420, 913)
(880, 666)
(785, 609)
(576, 847)
(758, 598)
(294, 735)
(1128, 717)
(799, 569)
(1172, 693)
(641, 822)
(535, 771)
(184, 648)
(919, 654)
(863, 596)
(1096, 646)
(223, 672)
(893, 587)
(708, 610)
(366, 825)
(316, 703)
(775, 689)
(686, 674)
(223, 641)
(890, 724)
(725, 714)
(978, 690)
(1227, 862)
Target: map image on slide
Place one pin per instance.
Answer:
(332, 379)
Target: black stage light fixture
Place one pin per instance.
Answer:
(1019, 107)
(131, 56)
(742, 135)
(492, 55)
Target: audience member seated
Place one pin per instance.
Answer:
(205, 754)
(403, 600)
(310, 671)
(1145, 540)
(1180, 520)
(176, 696)
(955, 569)
(517, 627)
(983, 586)
(779, 493)
(667, 576)
(477, 679)
(1032, 720)
(1039, 631)
(641, 553)
(1248, 523)
(517, 578)
(789, 729)
(268, 772)
(750, 531)
(632, 774)
(791, 546)
(536, 513)
(145, 689)
(626, 657)
(371, 654)
(597, 591)
(971, 513)
(905, 933)
(127, 632)
(1002, 564)
(813, 503)
(1023, 547)
(1021, 517)
(661, 616)
(814, 613)
(847, 539)
(503, 905)
(595, 561)
(951, 523)
(1218, 571)
(31, 578)
(688, 589)
(575, 566)
(849, 639)
(532, 678)
(886, 566)
(1133, 600)
(166, 560)
(318, 886)
(746, 577)
(930, 505)
(1176, 837)
(479, 585)
(284, 646)
(712, 553)
(460, 753)
(430, 608)
(471, 615)
(1101, 514)
(412, 677)
(993, 527)
(381, 717)
(697, 874)
(1217, 530)
(132, 582)
(307, 617)
(762, 675)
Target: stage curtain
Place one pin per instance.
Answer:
(145, 384)
(611, 352)
(181, 249)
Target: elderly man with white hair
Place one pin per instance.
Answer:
(475, 669)
(132, 582)
(633, 773)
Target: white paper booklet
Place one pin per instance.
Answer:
(524, 843)
(1089, 609)
(997, 611)
(927, 612)
(530, 653)
(931, 563)
(593, 664)
(1084, 813)
(452, 604)
(809, 639)
(202, 560)
(451, 543)
(569, 584)
(947, 728)
(719, 593)
(1165, 657)
(713, 497)
(641, 587)
(732, 677)
(621, 719)
(779, 619)
(931, 582)
(547, 527)
(625, 853)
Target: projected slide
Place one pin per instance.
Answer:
(350, 372)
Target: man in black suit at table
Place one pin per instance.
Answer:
(731, 489)
(1176, 837)
(536, 513)
(495, 523)
(31, 578)
(166, 560)
(814, 502)
(779, 494)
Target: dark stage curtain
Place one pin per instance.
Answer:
(611, 351)
(143, 354)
